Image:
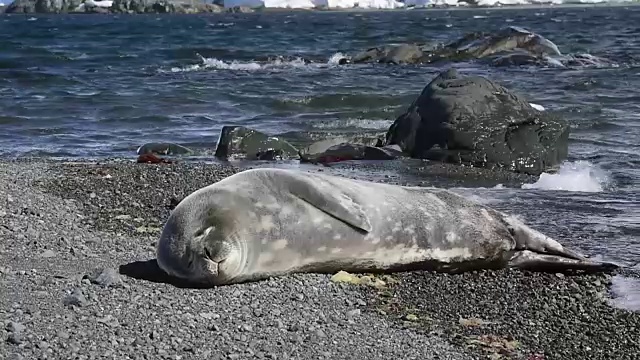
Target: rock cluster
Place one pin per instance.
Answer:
(464, 120)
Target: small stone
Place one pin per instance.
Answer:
(105, 277)
(14, 327)
(76, 298)
(560, 275)
(411, 317)
(207, 315)
(109, 320)
(353, 313)
(15, 338)
(123, 217)
(48, 254)
(345, 277)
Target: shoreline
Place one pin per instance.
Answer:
(64, 223)
(225, 10)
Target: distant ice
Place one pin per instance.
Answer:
(394, 4)
(573, 176)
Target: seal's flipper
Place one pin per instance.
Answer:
(330, 199)
(527, 238)
(529, 260)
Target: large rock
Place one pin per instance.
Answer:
(474, 121)
(239, 142)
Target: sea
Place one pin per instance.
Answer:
(99, 86)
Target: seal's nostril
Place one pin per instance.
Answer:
(207, 254)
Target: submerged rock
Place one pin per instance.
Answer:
(474, 121)
(510, 46)
(390, 54)
(349, 151)
(239, 142)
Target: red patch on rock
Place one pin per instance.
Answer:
(152, 159)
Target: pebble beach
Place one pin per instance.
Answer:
(80, 281)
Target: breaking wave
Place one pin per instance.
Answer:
(573, 176)
(273, 64)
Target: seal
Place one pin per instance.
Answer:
(268, 222)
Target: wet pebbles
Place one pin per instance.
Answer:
(66, 230)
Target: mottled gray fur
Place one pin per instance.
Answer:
(269, 222)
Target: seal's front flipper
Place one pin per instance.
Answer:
(331, 199)
(529, 260)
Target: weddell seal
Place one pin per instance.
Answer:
(266, 222)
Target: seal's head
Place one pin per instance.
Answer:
(199, 242)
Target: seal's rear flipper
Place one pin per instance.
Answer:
(529, 260)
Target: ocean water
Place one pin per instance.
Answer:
(101, 85)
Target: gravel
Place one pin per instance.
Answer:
(76, 269)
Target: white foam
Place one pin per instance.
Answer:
(335, 58)
(217, 64)
(573, 176)
(213, 63)
(359, 123)
(626, 293)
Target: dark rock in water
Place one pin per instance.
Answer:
(369, 55)
(402, 54)
(239, 142)
(477, 122)
(322, 146)
(163, 149)
(517, 59)
(512, 45)
(586, 60)
(508, 39)
(390, 54)
(347, 151)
